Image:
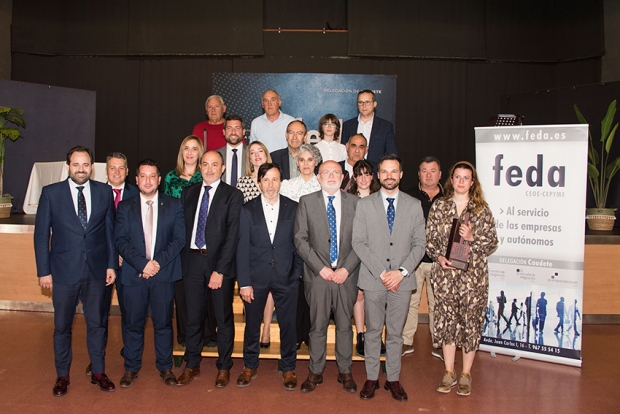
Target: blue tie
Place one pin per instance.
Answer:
(202, 219)
(391, 213)
(82, 207)
(235, 169)
(333, 233)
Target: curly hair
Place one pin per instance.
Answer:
(476, 196)
(316, 154)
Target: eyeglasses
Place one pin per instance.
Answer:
(328, 173)
(364, 103)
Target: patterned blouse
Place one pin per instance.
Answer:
(248, 187)
(173, 184)
(295, 188)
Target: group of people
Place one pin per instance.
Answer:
(299, 228)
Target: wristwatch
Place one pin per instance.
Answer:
(403, 271)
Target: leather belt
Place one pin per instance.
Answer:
(202, 252)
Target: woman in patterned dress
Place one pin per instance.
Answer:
(187, 171)
(258, 154)
(460, 296)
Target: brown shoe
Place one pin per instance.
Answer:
(347, 382)
(60, 387)
(246, 377)
(188, 375)
(223, 378)
(368, 390)
(128, 379)
(102, 381)
(289, 380)
(398, 392)
(89, 369)
(168, 377)
(310, 384)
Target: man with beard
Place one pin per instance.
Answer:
(150, 234)
(270, 128)
(79, 262)
(233, 152)
(389, 238)
(210, 131)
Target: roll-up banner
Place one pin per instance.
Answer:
(534, 178)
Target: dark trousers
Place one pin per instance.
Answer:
(65, 299)
(108, 303)
(196, 292)
(303, 316)
(210, 326)
(285, 298)
(158, 297)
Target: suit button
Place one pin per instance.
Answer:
(273, 247)
(391, 244)
(84, 236)
(85, 261)
(329, 240)
(388, 260)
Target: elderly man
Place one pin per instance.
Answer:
(378, 132)
(286, 158)
(429, 189)
(389, 238)
(212, 211)
(270, 127)
(323, 231)
(356, 150)
(211, 131)
(233, 152)
(78, 262)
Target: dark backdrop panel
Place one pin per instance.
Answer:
(233, 27)
(70, 27)
(423, 28)
(305, 14)
(544, 31)
(116, 82)
(56, 118)
(305, 44)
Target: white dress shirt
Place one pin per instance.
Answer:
(143, 208)
(272, 213)
(337, 203)
(229, 162)
(74, 194)
(365, 129)
(211, 194)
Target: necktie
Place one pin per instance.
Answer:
(391, 213)
(148, 229)
(117, 197)
(333, 232)
(202, 219)
(82, 207)
(235, 169)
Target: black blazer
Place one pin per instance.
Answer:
(257, 258)
(222, 230)
(381, 138)
(280, 157)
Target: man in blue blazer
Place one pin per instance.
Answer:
(378, 131)
(149, 236)
(79, 262)
(268, 262)
(212, 229)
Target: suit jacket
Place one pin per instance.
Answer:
(129, 239)
(378, 249)
(346, 180)
(130, 190)
(221, 231)
(222, 151)
(257, 257)
(381, 137)
(312, 237)
(280, 157)
(73, 248)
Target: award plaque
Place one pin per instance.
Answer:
(458, 252)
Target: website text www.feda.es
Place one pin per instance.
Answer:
(539, 135)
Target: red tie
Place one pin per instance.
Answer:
(117, 197)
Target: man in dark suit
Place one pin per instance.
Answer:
(211, 226)
(323, 231)
(267, 262)
(233, 152)
(378, 131)
(149, 235)
(286, 158)
(356, 151)
(79, 263)
(116, 171)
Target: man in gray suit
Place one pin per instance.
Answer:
(323, 231)
(389, 237)
(233, 152)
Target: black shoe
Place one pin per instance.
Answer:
(359, 347)
(211, 344)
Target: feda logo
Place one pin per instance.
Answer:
(534, 174)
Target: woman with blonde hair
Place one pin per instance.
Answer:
(461, 296)
(258, 154)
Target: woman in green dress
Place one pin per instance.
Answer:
(187, 171)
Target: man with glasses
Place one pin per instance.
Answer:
(323, 232)
(378, 132)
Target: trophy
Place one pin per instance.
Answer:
(458, 252)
